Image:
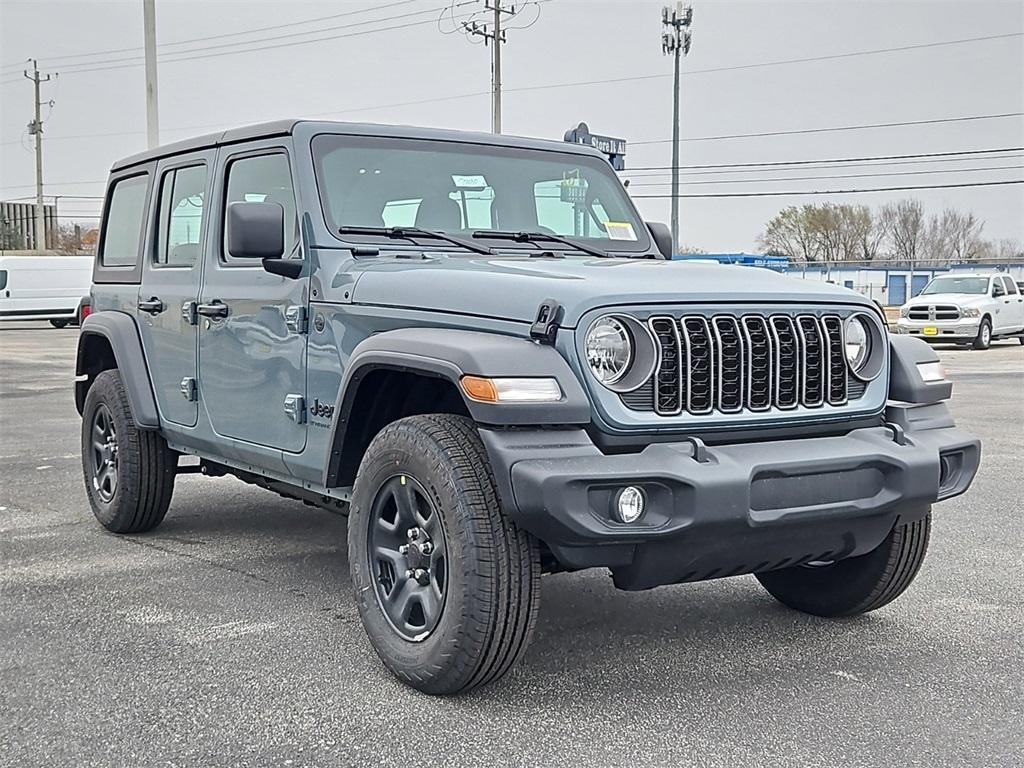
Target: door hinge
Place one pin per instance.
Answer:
(188, 389)
(545, 326)
(188, 312)
(295, 408)
(297, 319)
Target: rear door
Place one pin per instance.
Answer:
(1014, 305)
(169, 292)
(252, 342)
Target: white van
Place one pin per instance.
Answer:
(53, 288)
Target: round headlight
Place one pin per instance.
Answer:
(609, 350)
(857, 337)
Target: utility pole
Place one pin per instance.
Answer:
(149, 35)
(493, 35)
(675, 40)
(35, 128)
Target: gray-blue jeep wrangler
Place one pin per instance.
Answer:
(474, 346)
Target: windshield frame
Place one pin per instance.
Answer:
(987, 281)
(643, 245)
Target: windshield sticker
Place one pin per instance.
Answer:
(620, 230)
(469, 182)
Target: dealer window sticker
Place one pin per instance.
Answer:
(620, 230)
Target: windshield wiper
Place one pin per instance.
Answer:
(408, 233)
(533, 237)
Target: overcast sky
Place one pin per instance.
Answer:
(99, 115)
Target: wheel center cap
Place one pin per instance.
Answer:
(417, 551)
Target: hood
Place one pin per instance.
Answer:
(513, 288)
(960, 299)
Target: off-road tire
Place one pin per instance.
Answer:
(984, 338)
(492, 586)
(146, 467)
(858, 584)
(59, 323)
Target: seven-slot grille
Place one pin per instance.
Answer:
(754, 362)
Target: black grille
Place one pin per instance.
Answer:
(833, 328)
(700, 364)
(669, 380)
(748, 362)
(934, 312)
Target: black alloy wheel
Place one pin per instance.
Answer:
(104, 454)
(408, 554)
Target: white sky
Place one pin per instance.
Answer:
(99, 116)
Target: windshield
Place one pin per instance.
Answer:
(957, 285)
(454, 188)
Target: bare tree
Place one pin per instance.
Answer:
(905, 227)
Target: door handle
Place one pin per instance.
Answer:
(215, 308)
(153, 306)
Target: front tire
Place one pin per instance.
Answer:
(858, 584)
(129, 473)
(455, 609)
(984, 338)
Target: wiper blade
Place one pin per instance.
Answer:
(408, 233)
(532, 237)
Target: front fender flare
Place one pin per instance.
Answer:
(121, 333)
(451, 354)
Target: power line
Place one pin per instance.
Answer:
(775, 63)
(842, 191)
(833, 129)
(138, 49)
(833, 176)
(833, 159)
(194, 54)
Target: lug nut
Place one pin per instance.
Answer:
(413, 534)
(427, 548)
(410, 574)
(404, 549)
(420, 575)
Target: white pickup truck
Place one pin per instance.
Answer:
(965, 309)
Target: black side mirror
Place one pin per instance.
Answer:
(256, 230)
(662, 237)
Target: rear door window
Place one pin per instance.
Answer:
(3, 279)
(1011, 288)
(182, 194)
(122, 232)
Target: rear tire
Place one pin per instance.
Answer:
(431, 473)
(984, 338)
(129, 473)
(59, 323)
(858, 584)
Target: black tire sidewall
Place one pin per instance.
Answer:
(425, 462)
(979, 341)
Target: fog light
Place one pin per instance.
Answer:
(629, 504)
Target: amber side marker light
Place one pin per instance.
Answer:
(511, 389)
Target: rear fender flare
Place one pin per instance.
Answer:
(121, 333)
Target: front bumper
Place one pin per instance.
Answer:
(949, 330)
(741, 508)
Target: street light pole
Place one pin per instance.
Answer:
(675, 40)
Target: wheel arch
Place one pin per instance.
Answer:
(110, 339)
(417, 370)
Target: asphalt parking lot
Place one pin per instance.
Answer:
(229, 636)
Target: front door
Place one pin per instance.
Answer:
(252, 344)
(169, 289)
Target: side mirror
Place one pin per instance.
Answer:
(255, 230)
(662, 237)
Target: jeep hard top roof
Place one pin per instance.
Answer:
(313, 127)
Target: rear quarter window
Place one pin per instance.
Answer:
(122, 231)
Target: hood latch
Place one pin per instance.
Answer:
(545, 326)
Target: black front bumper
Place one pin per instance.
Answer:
(730, 509)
